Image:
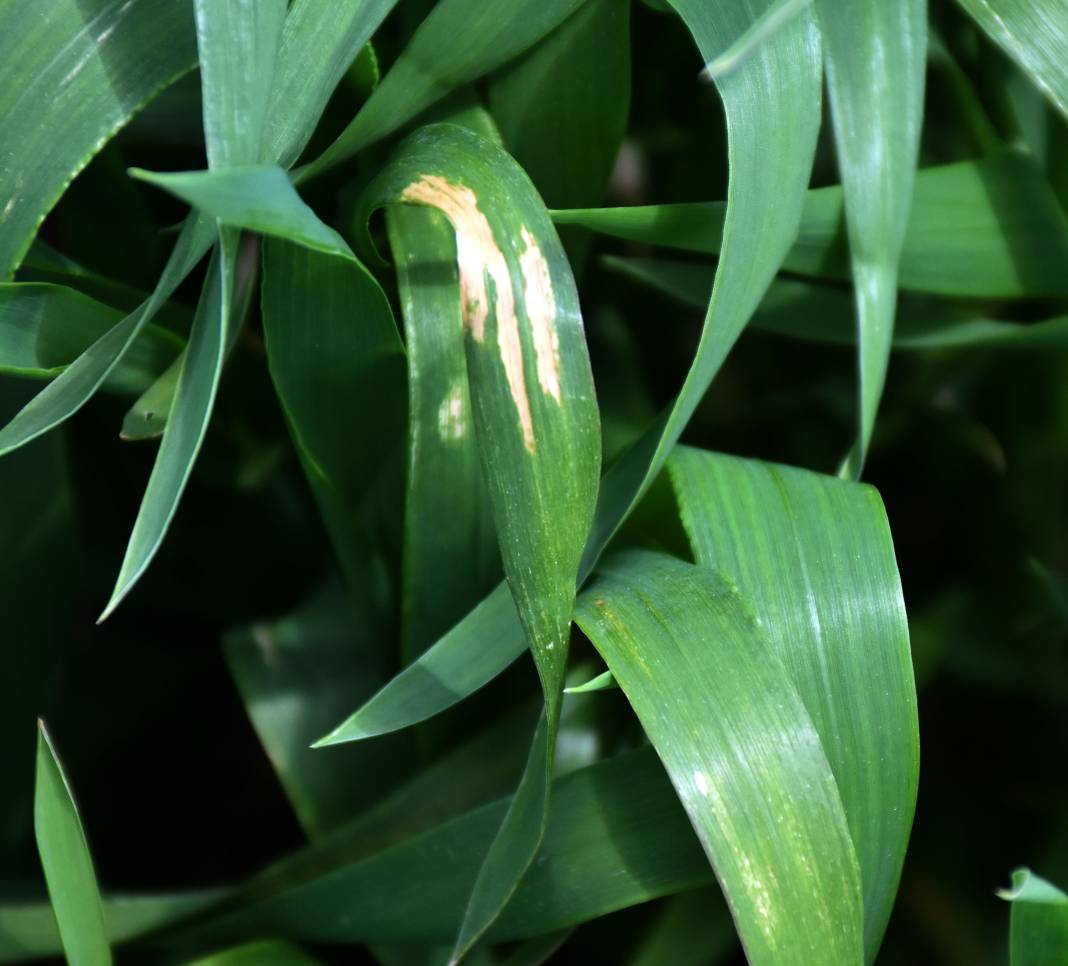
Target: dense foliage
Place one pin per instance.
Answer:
(450, 452)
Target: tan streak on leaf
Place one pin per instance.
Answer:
(478, 255)
(540, 304)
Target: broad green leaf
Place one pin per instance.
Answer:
(756, 238)
(333, 347)
(295, 676)
(460, 41)
(44, 327)
(1032, 33)
(876, 58)
(821, 313)
(76, 385)
(28, 930)
(83, 68)
(1038, 933)
(814, 557)
(745, 758)
(775, 16)
(67, 865)
(259, 199)
(193, 402)
(562, 106)
(595, 858)
(450, 555)
(536, 422)
(264, 952)
(320, 40)
(237, 43)
(978, 228)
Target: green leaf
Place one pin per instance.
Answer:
(601, 682)
(988, 228)
(688, 932)
(68, 867)
(77, 384)
(562, 106)
(742, 752)
(450, 553)
(147, 418)
(460, 41)
(814, 557)
(1032, 33)
(44, 327)
(1038, 933)
(466, 658)
(259, 199)
(82, 67)
(536, 420)
(333, 348)
(876, 56)
(820, 313)
(320, 40)
(594, 859)
(188, 423)
(237, 44)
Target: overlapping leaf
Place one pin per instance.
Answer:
(742, 752)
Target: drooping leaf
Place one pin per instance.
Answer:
(67, 865)
(450, 555)
(759, 235)
(83, 67)
(741, 750)
(1032, 33)
(814, 556)
(460, 41)
(978, 228)
(876, 57)
(1038, 932)
(536, 422)
(44, 327)
(821, 313)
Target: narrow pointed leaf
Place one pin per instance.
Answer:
(1038, 930)
(68, 867)
(83, 67)
(813, 555)
(460, 41)
(978, 228)
(876, 55)
(188, 422)
(741, 751)
(147, 418)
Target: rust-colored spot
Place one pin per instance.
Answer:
(478, 255)
(541, 310)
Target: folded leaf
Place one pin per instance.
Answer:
(814, 557)
(1038, 932)
(741, 750)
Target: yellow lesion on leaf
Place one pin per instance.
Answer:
(478, 258)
